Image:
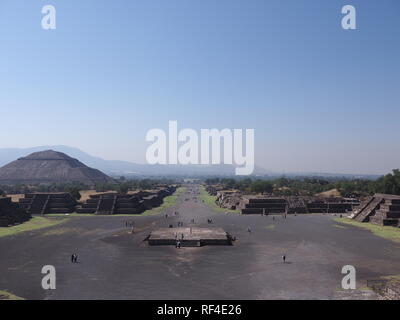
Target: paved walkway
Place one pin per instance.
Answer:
(115, 264)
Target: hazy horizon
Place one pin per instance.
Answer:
(320, 98)
(60, 148)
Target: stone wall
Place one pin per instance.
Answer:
(259, 204)
(11, 213)
(46, 203)
(133, 203)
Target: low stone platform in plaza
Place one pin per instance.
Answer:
(189, 237)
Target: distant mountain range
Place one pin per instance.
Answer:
(126, 168)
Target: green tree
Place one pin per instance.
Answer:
(262, 186)
(74, 191)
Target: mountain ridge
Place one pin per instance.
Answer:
(121, 167)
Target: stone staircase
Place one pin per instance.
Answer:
(45, 203)
(112, 203)
(105, 205)
(381, 209)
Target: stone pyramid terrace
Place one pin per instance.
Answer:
(112, 203)
(260, 205)
(381, 209)
(45, 203)
(117, 203)
(189, 237)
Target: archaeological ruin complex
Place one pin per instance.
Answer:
(116, 203)
(263, 204)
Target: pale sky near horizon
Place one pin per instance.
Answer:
(320, 98)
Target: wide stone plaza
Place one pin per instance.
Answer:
(114, 261)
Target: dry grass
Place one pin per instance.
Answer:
(4, 295)
(168, 202)
(15, 197)
(85, 194)
(329, 194)
(33, 224)
(390, 233)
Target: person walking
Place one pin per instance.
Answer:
(73, 257)
(284, 258)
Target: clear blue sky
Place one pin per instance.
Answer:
(320, 98)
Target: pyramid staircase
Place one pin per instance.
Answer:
(112, 203)
(45, 203)
(381, 209)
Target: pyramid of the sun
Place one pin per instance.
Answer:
(50, 167)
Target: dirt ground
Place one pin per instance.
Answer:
(85, 194)
(15, 197)
(115, 264)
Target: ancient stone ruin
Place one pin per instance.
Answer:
(380, 209)
(50, 167)
(112, 203)
(45, 203)
(328, 205)
(11, 213)
(213, 189)
(116, 203)
(228, 199)
(189, 237)
(265, 204)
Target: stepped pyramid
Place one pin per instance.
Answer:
(381, 209)
(50, 167)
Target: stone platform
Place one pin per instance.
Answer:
(189, 237)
